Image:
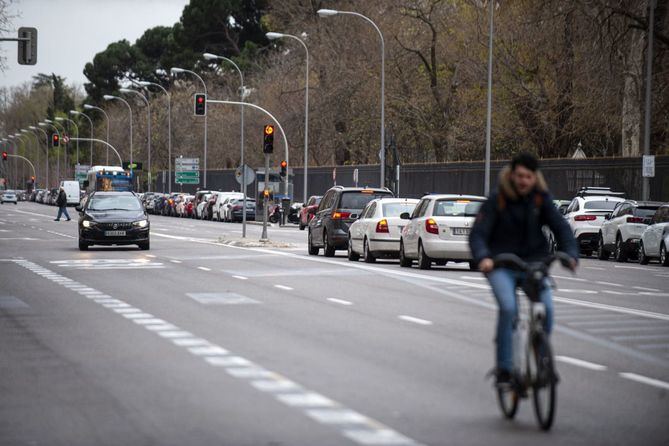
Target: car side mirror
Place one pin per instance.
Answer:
(607, 217)
(354, 216)
(405, 216)
(78, 208)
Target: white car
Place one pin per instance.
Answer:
(8, 196)
(438, 230)
(655, 239)
(376, 232)
(221, 207)
(622, 229)
(586, 213)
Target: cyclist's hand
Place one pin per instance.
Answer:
(486, 265)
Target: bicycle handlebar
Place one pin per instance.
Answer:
(510, 260)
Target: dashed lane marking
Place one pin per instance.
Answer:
(357, 427)
(625, 310)
(339, 301)
(283, 287)
(415, 320)
(204, 268)
(240, 277)
(646, 289)
(645, 380)
(175, 261)
(581, 363)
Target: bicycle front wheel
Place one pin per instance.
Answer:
(544, 392)
(508, 401)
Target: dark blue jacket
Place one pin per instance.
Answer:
(505, 225)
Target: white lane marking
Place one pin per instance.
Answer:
(625, 310)
(654, 294)
(646, 289)
(283, 287)
(204, 268)
(228, 361)
(645, 380)
(150, 256)
(150, 321)
(339, 301)
(305, 399)
(60, 234)
(175, 334)
(663, 346)
(597, 268)
(415, 320)
(608, 283)
(575, 279)
(190, 342)
(137, 315)
(208, 350)
(631, 267)
(33, 213)
(274, 385)
(241, 277)
(473, 277)
(626, 329)
(336, 416)
(253, 372)
(640, 337)
(175, 261)
(377, 437)
(577, 291)
(581, 363)
(615, 293)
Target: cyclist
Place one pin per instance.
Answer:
(511, 221)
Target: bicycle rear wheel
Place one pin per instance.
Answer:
(544, 386)
(508, 401)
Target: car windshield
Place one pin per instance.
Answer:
(397, 209)
(603, 205)
(456, 208)
(358, 200)
(645, 211)
(114, 202)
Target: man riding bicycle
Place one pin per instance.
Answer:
(511, 221)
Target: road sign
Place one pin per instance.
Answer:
(188, 174)
(187, 170)
(132, 166)
(187, 164)
(649, 166)
(250, 175)
(66, 139)
(187, 181)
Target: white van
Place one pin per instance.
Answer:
(72, 191)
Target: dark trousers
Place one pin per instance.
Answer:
(62, 210)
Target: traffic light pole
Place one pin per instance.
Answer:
(265, 201)
(92, 140)
(24, 159)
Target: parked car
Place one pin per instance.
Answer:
(309, 210)
(219, 207)
(113, 218)
(201, 197)
(8, 196)
(207, 209)
(376, 232)
(235, 210)
(329, 227)
(654, 242)
(622, 229)
(586, 213)
(183, 205)
(438, 230)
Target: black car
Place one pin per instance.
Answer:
(338, 209)
(236, 210)
(113, 218)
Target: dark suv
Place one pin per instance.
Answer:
(340, 207)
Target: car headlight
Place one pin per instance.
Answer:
(88, 223)
(141, 223)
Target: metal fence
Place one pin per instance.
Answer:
(564, 176)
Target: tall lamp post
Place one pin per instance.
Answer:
(46, 148)
(176, 70)
(147, 84)
(76, 127)
(273, 36)
(93, 107)
(488, 131)
(63, 132)
(109, 97)
(382, 153)
(29, 133)
(90, 123)
(645, 188)
(148, 120)
(46, 124)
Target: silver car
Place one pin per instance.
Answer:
(654, 242)
(9, 196)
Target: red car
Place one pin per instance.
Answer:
(309, 210)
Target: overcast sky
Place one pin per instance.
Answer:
(71, 32)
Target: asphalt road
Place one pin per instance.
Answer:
(199, 343)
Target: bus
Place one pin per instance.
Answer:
(108, 178)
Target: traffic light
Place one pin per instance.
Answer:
(284, 169)
(55, 139)
(200, 104)
(4, 156)
(268, 145)
(32, 179)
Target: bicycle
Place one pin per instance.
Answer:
(533, 363)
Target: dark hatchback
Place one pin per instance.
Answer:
(113, 218)
(236, 210)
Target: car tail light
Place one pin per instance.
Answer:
(338, 215)
(236, 207)
(431, 226)
(382, 226)
(585, 217)
(635, 220)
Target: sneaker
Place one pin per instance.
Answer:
(68, 219)
(56, 219)
(503, 378)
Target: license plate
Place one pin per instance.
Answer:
(461, 231)
(115, 233)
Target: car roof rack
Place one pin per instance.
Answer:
(590, 191)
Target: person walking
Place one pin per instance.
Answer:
(61, 202)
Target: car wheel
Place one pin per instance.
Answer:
(621, 253)
(602, 253)
(664, 259)
(83, 246)
(144, 246)
(313, 250)
(352, 255)
(368, 256)
(424, 261)
(643, 259)
(328, 249)
(404, 261)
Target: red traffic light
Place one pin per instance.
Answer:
(284, 168)
(200, 104)
(284, 164)
(55, 140)
(4, 156)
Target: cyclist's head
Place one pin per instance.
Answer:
(524, 173)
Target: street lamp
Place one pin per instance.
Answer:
(148, 120)
(273, 36)
(382, 154)
(109, 97)
(147, 84)
(46, 140)
(93, 107)
(90, 123)
(29, 133)
(176, 71)
(488, 131)
(209, 56)
(46, 124)
(76, 127)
